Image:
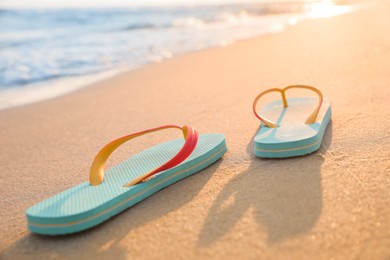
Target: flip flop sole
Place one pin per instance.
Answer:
(84, 206)
(292, 137)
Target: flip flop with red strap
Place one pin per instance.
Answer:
(127, 183)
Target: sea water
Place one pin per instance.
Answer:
(41, 49)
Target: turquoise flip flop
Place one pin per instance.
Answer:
(91, 203)
(293, 134)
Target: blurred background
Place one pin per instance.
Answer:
(48, 48)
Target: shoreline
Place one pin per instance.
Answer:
(332, 204)
(39, 92)
(46, 90)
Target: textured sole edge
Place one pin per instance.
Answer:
(298, 150)
(69, 228)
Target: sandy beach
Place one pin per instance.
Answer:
(333, 204)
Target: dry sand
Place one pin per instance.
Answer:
(333, 204)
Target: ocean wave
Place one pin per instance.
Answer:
(141, 26)
(39, 45)
(188, 22)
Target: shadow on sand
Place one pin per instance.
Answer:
(284, 194)
(103, 240)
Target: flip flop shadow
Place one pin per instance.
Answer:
(103, 241)
(285, 196)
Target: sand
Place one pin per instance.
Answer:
(333, 204)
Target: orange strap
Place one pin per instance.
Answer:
(310, 120)
(96, 175)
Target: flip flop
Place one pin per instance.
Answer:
(294, 133)
(127, 183)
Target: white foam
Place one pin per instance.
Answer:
(32, 93)
(243, 25)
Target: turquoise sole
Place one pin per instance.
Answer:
(307, 139)
(85, 206)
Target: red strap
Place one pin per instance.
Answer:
(96, 175)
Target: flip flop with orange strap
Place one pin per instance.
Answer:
(127, 183)
(293, 133)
